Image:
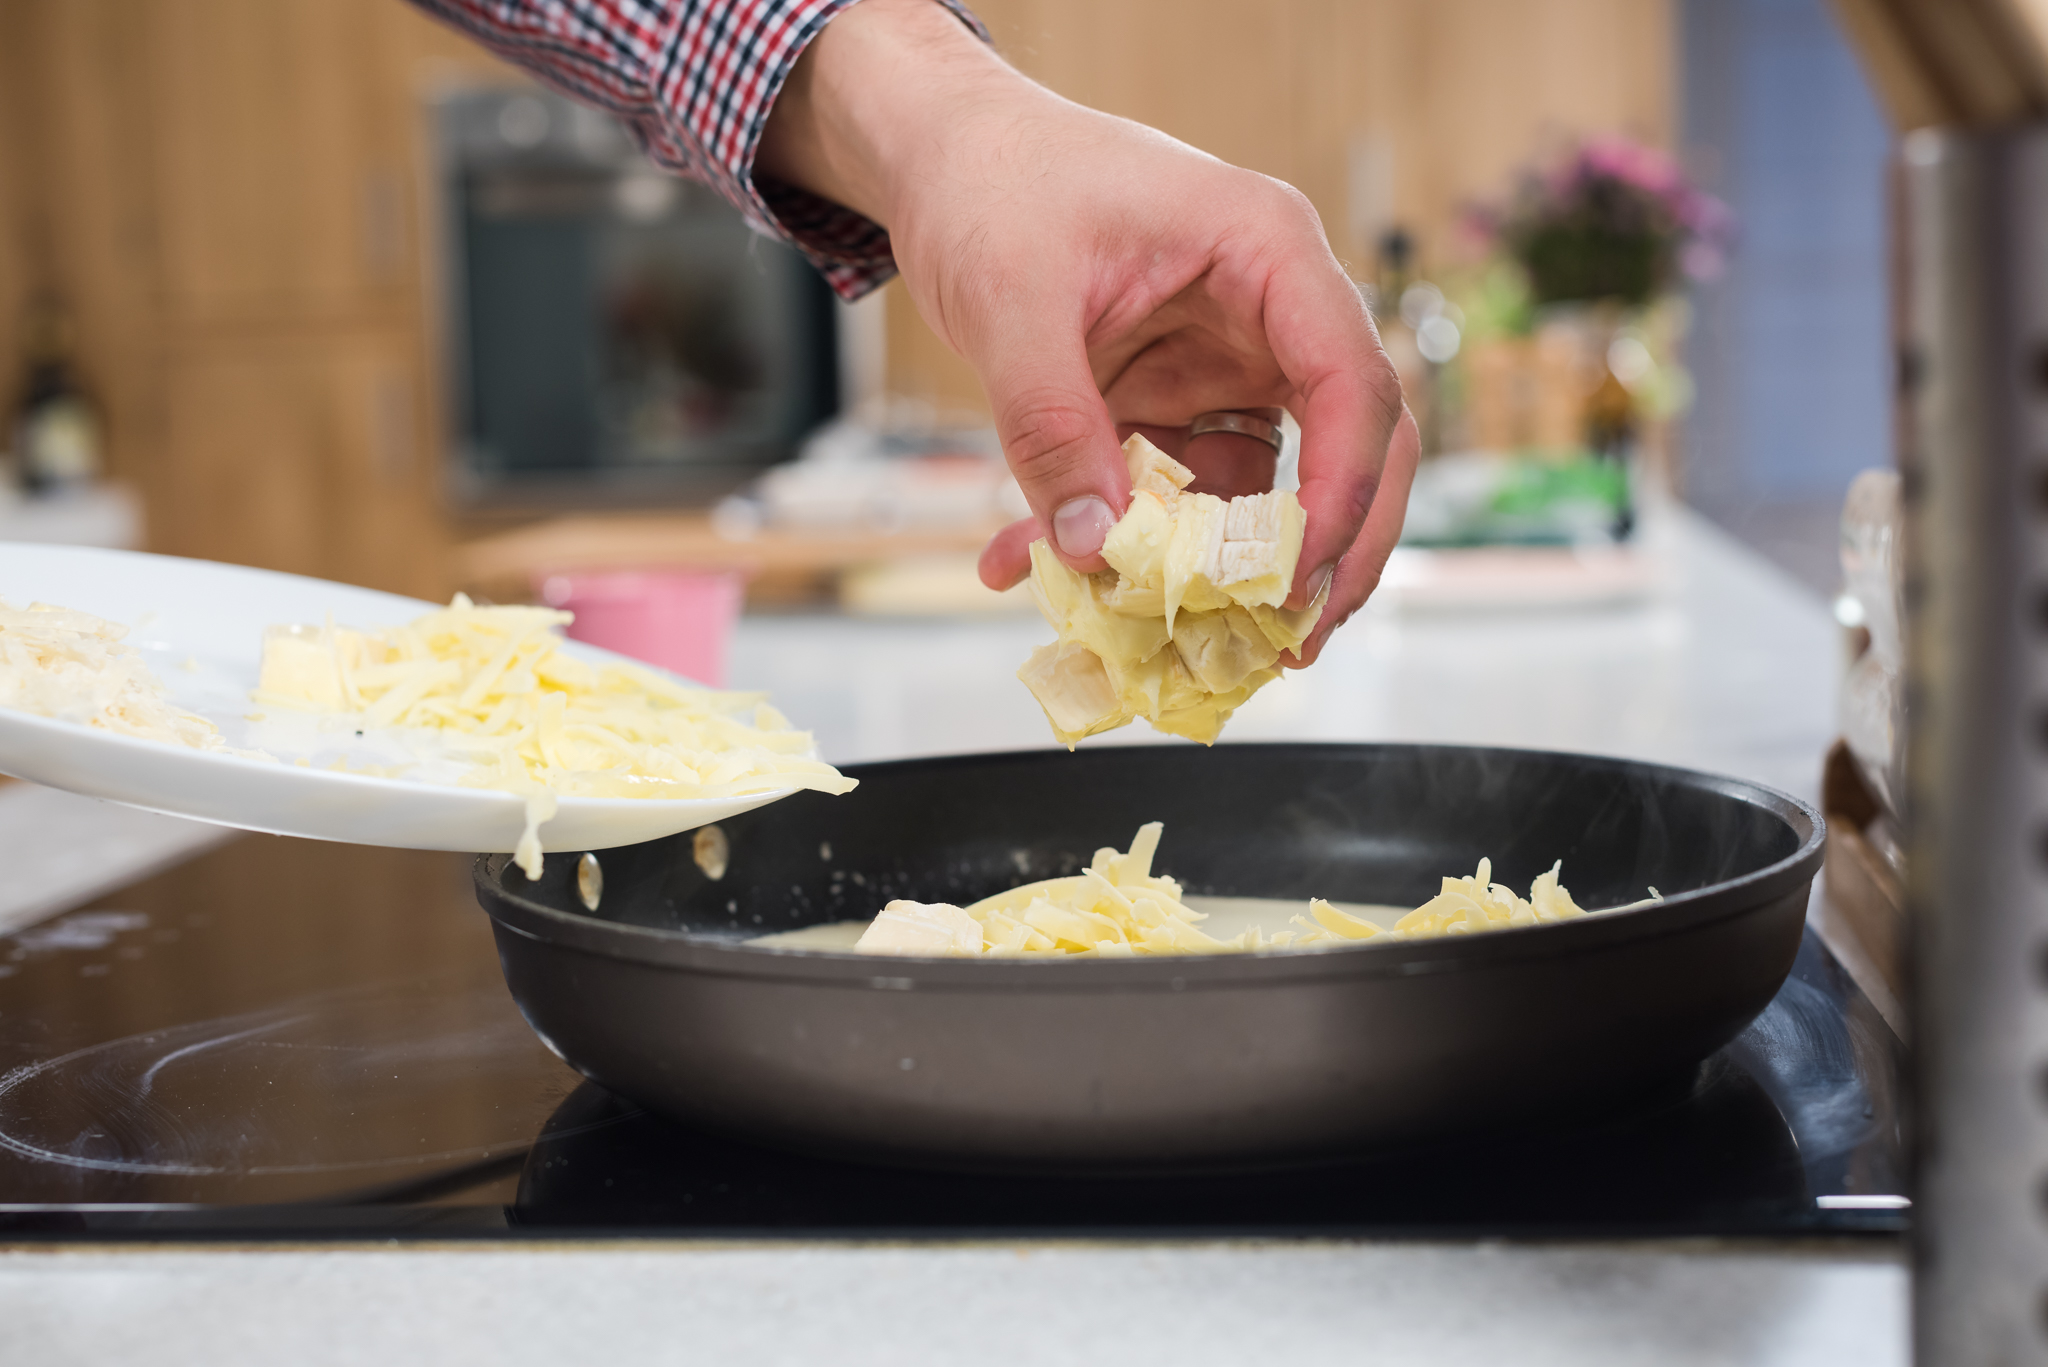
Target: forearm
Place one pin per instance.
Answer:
(1094, 272)
(866, 107)
(695, 81)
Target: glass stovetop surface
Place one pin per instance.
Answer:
(294, 1039)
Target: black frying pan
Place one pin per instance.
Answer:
(1185, 1060)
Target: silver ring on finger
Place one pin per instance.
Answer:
(1241, 424)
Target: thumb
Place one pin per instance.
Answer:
(1061, 444)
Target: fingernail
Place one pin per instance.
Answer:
(1319, 583)
(1081, 526)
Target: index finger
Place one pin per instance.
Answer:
(1324, 339)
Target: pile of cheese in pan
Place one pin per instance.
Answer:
(1187, 622)
(1118, 906)
(533, 719)
(58, 662)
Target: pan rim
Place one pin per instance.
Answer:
(674, 950)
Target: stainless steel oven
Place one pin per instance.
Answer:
(616, 333)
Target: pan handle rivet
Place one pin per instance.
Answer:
(589, 882)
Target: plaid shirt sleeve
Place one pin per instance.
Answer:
(693, 80)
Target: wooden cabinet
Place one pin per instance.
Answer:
(310, 447)
(231, 197)
(281, 160)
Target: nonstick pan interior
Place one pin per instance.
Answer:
(1181, 1060)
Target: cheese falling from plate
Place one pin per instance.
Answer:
(1187, 622)
(494, 684)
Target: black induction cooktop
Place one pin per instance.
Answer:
(292, 1039)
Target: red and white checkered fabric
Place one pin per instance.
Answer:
(693, 80)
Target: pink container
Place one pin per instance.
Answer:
(677, 620)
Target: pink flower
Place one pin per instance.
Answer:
(1613, 218)
(1646, 168)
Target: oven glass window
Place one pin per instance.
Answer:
(621, 333)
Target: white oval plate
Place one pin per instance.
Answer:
(200, 626)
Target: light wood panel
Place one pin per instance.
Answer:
(1219, 74)
(311, 445)
(87, 223)
(280, 161)
(14, 214)
(506, 565)
(229, 193)
(1935, 62)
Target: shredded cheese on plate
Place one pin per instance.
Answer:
(72, 666)
(494, 684)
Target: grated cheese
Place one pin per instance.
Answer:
(1119, 907)
(72, 666)
(532, 719)
(1463, 906)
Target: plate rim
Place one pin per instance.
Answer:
(498, 801)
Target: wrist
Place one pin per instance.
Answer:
(872, 100)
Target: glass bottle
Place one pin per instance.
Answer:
(56, 424)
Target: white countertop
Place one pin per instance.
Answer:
(1731, 669)
(107, 515)
(773, 1304)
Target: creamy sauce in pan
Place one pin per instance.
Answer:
(1228, 916)
(833, 937)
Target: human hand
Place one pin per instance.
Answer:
(1103, 278)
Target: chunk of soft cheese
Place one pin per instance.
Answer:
(1118, 906)
(536, 720)
(70, 665)
(935, 930)
(1185, 624)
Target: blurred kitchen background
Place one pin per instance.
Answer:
(319, 286)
